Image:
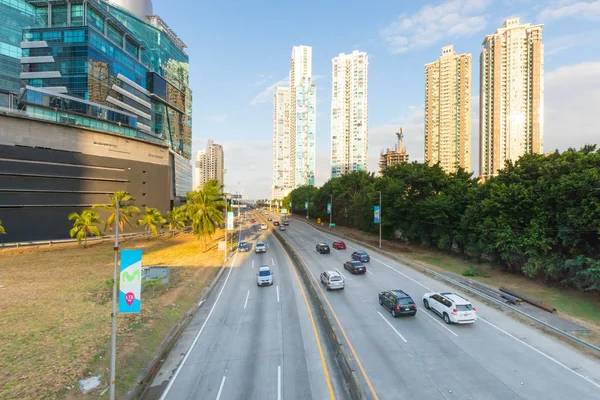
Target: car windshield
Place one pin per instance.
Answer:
(356, 264)
(260, 244)
(336, 278)
(405, 301)
(264, 273)
(464, 307)
(362, 253)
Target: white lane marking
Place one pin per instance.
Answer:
(221, 387)
(200, 303)
(246, 302)
(187, 354)
(435, 320)
(252, 263)
(279, 382)
(370, 272)
(302, 240)
(338, 271)
(278, 293)
(404, 275)
(267, 245)
(272, 262)
(392, 326)
(541, 353)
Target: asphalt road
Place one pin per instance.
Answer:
(250, 342)
(421, 357)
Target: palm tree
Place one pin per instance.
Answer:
(177, 219)
(84, 225)
(151, 218)
(126, 211)
(2, 231)
(205, 210)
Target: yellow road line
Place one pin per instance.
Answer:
(360, 366)
(312, 321)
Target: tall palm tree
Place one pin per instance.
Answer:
(177, 218)
(2, 231)
(205, 210)
(84, 225)
(126, 211)
(152, 219)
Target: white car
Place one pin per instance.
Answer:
(264, 277)
(260, 247)
(332, 280)
(454, 309)
(264, 227)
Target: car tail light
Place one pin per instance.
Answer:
(414, 306)
(474, 309)
(398, 308)
(454, 311)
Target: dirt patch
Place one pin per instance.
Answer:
(55, 313)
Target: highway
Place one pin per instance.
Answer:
(250, 342)
(421, 357)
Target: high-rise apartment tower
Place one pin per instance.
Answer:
(511, 115)
(210, 165)
(448, 111)
(349, 113)
(282, 168)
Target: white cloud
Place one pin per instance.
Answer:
(572, 95)
(217, 118)
(580, 9)
(452, 18)
(267, 94)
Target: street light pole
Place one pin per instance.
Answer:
(239, 212)
(113, 335)
(380, 214)
(331, 210)
(307, 207)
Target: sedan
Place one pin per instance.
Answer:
(338, 244)
(282, 228)
(356, 267)
(253, 220)
(244, 246)
(361, 256)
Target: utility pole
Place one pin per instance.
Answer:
(113, 338)
(239, 211)
(331, 210)
(380, 214)
(307, 207)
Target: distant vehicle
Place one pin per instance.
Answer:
(356, 267)
(264, 227)
(269, 219)
(264, 277)
(454, 309)
(338, 244)
(323, 248)
(253, 220)
(276, 223)
(332, 280)
(260, 248)
(286, 222)
(281, 227)
(361, 256)
(244, 246)
(397, 302)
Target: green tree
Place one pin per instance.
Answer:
(84, 225)
(126, 210)
(205, 210)
(152, 220)
(2, 231)
(177, 218)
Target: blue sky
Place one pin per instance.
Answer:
(240, 50)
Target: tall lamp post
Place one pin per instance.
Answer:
(331, 210)
(113, 331)
(379, 191)
(307, 207)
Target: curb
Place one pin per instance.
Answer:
(146, 377)
(342, 358)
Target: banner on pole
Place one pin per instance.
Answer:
(284, 211)
(290, 205)
(306, 205)
(328, 208)
(130, 288)
(377, 214)
(229, 220)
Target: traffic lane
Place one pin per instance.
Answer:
(539, 356)
(392, 349)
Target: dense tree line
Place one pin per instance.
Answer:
(540, 216)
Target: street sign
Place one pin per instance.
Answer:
(328, 208)
(130, 288)
(306, 205)
(229, 220)
(332, 225)
(284, 211)
(377, 214)
(222, 246)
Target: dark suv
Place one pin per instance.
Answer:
(361, 256)
(323, 248)
(397, 302)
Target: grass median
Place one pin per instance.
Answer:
(55, 307)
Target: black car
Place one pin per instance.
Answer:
(361, 256)
(244, 246)
(286, 222)
(276, 223)
(323, 248)
(398, 302)
(356, 267)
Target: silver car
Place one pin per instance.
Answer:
(260, 248)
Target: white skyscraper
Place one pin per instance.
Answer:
(210, 164)
(349, 113)
(294, 144)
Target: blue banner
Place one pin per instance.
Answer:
(130, 288)
(377, 214)
(328, 208)
(306, 205)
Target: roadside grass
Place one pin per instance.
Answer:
(55, 313)
(583, 307)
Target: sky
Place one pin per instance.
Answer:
(240, 51)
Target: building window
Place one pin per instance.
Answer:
(95, 20)
(76, 15)
(59, 15)
(115, 35)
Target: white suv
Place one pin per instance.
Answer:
(450, 306)
(332, 280)
(260, 247)
(264, 277)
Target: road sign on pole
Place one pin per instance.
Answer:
(131, 281)
(229, 220)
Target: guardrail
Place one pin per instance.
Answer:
(454, 282)
(341, 356)
(89, 240)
